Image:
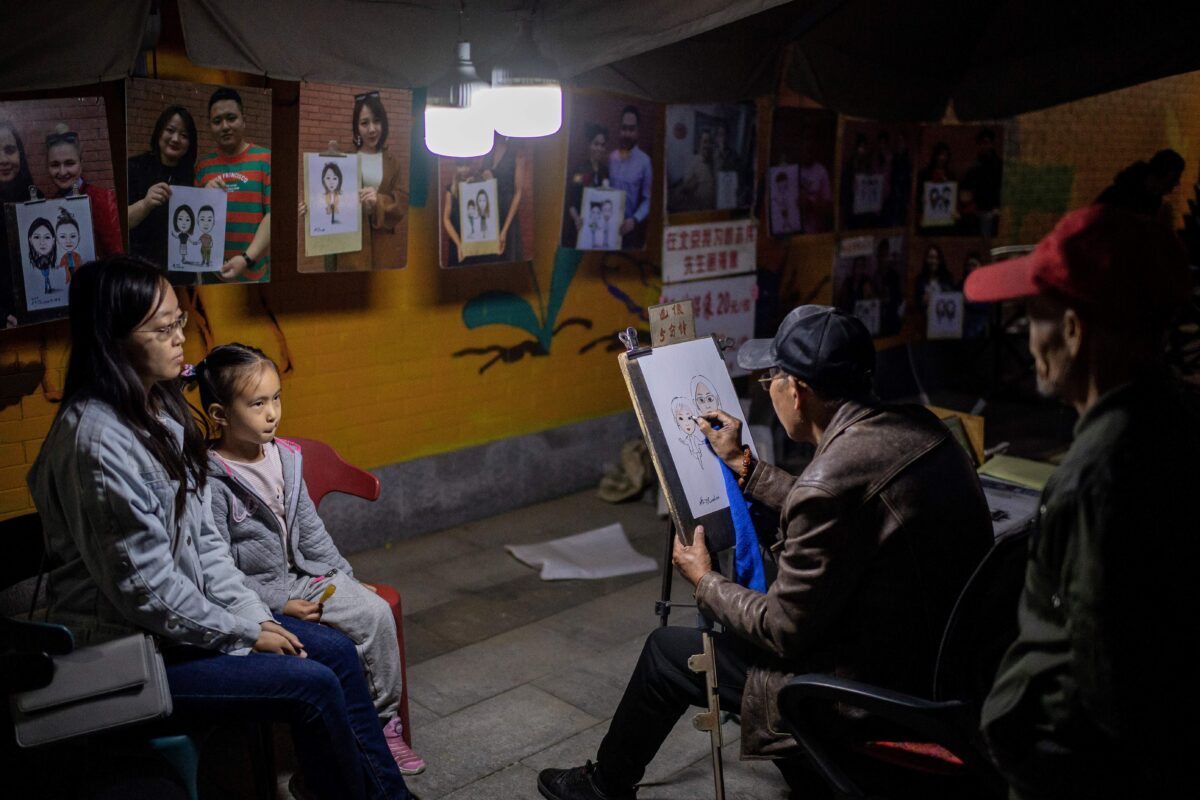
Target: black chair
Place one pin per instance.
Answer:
(934, 745)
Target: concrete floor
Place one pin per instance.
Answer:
(509, 674)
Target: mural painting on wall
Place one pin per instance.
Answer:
(710, 157)
(353, 216)
(870, 281)
(511, 310)
(800, 183)
(939, 266)
(208, 136)
(635, 282)
(51, 150)
(876, 184)
(486, 206)
(610, 149)
(959, 180)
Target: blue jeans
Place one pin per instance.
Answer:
(339, 742)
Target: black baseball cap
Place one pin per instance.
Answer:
(825, 347)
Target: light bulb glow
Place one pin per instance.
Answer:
(524, 111)
(458, 132)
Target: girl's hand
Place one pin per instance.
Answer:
(372, 588)
(368, 197)
(274, 638)
(158, 194)
(303, 609)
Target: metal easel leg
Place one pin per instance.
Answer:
(663, 607)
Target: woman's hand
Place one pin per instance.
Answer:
(368, 197)
(303, 609)
(274, 638)
(158, 194)
(727, 440)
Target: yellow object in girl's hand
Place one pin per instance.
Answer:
(328, 593)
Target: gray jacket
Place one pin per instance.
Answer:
(252, 530)
(108, 513)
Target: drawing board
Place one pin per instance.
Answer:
(601, 212)
(52, 238)
(479, 216)
(670, 386)
(196, 229)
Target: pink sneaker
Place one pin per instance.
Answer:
(407, 761)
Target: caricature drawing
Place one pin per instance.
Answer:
(484, 204)
(331, 179)
(185, 223)
(43, 251)
(472, 215)
(206, 219)
(594, 224)
(685, 418)
(66, 231)
(704, 396)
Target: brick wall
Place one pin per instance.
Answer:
(35, 119)
(145, 100)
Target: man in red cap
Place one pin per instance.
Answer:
(1090, 700)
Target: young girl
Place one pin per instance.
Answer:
(121, 485)
(261, 506)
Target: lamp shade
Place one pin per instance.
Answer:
(525, 98)
(457, 124)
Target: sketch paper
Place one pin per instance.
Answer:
(868, 312)
(939, 204)
(55, 239)
(945, 315)
(685, 381)
(196, 229)
(333, 205)
(868, 193)
(727, 189)
(602, 217)
(479, 217)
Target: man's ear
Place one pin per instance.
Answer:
(216, 413)
(1073, 331)
(799, 389)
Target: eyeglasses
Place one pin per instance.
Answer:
(70, 137)
(766, 380)
(166, 331)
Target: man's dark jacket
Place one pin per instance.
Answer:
(878, 537)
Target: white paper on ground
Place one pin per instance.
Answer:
(602, 553)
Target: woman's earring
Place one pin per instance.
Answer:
(357, 140)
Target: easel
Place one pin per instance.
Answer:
(705, 661)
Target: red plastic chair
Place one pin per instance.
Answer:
(326, 472)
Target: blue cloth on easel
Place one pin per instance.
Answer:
(748, 563)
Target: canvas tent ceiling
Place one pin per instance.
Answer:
(870, 58)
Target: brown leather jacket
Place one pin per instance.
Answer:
(878, 536)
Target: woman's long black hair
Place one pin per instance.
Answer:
(370, 100)
(109, 298)
(17, 190)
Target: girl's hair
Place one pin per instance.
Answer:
(336, 170)
(42, 222)
(17, 190)
(109, 298)
(189, 158)
(65, 218)
(223, 372)
(370, 100)
(191, 219)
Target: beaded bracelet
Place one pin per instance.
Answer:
(745, 473)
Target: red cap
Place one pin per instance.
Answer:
(1121, 267)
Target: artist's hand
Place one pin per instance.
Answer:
(727, 441)
(158, 194)
(627, 225)
(303, 609)
(368, 197)
(274, 638)
(693, 562)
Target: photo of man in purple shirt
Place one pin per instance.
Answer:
(630, 169)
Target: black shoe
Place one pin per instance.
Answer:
(576, 783)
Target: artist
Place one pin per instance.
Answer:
(877, 537)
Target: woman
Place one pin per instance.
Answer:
(16, 186)
(592, 173)
(120, 485)
(384, 200)
(64, 162)
(935, 277)
(506, 159)
(466, 170)
(170, 162)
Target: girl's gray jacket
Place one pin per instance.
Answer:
(123, 564)
(252, 530)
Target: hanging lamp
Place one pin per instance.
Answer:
(525, 99)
